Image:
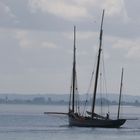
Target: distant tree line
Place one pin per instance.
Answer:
(49, 101)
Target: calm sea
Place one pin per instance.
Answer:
(27, 122)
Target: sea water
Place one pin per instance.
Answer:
(28, 122)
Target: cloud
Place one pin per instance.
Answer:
(76, 9)
(48, 45)
(6, 11)
(131, 47)
(61, 8)
(115, 7)
(27, 40)
(24, 42)
(81, 35)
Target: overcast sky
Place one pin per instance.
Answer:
(36, 43)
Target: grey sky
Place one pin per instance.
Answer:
(36, 40)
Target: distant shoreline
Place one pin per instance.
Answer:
(63, 99)
(32, 102)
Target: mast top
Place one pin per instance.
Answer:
(102, 18)
(101, 28)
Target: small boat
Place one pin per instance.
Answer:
(91, 119)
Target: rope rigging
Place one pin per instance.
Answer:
(105, 81)
(102, 86)
(89, 87)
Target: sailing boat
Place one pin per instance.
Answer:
(92, 119)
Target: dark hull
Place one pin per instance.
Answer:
(88, 122)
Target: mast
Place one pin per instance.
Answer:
(98, 64)
(74, 70)
(120, 94)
